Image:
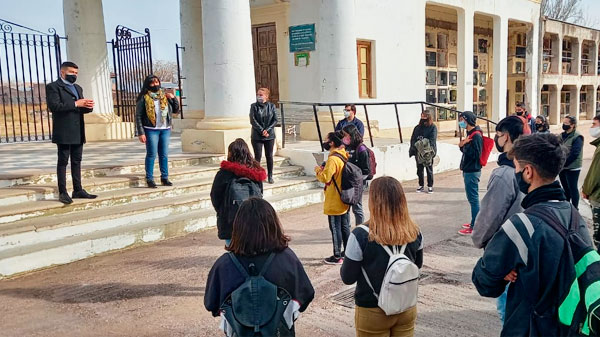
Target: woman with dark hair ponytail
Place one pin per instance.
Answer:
(153, 119)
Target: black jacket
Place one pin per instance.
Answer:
(263, 117)
(141, 117)
(533, 250)
(472, 152)
(360, 158)
(423, 131)
(286, 272)
(68, 124)
(230, 171)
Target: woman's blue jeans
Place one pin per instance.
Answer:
(157, 141)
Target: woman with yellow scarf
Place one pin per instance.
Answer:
(153, 119)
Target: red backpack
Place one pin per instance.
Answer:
(488, 145)
(372, 161)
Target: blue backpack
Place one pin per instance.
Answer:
(256, 307)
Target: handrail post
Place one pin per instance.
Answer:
(398, 120)
(459, 129)
(368, 124)
(332, 118)
(283, 132)
(318, 127)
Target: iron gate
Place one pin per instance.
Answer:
(132, 60)
(29, 59)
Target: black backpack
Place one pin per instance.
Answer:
(577, 290)
(352, 182)
(256, 307)
(239, 190)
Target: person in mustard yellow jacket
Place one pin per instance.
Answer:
(333, 207)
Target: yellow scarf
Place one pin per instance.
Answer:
(149, 99)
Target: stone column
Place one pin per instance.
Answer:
(228, 77)
(193, 64)
(554, 115)
(575, 101)
(86, 46)
(591, 101)
(500, 68)
(465, 59)
(532, 88)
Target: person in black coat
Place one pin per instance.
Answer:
(425, 129)
(257, 233)
(263, 118)
(65, 100)
(239, 163)
(359, 156)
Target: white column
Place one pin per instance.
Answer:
(465, 60)
(336, 45)
(555, 103)
(193, 63)
(575, 101)
(86, 46)
(228, 77)
(532, 89)
(591, 101)
(500, 68)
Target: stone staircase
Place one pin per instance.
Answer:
(37, 231)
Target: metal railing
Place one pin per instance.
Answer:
(422, 104)
(179, 79)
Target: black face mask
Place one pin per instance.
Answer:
(71, 78)
(566, 127)
(519, 113)
(498, 147)
(154, 88)
(326, 146)
(539, 126)
(523, 185)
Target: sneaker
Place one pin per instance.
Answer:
(420, 189)
(334, 260)
(467, 225)
(429, 190)
(465, 231)
(65, 198)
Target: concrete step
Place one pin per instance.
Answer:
(21, 194)
(286, 178)
(45, 246)
(40, 177)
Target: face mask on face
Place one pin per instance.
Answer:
(154, 88)
(260, 99)
(71, 78)
(326, 146)
(498, 147)
(539, 125)
(462, 124)
(523, 185)
(346, 113)
(519, 113)
(566, 127)
(595, 132)
(346, 141)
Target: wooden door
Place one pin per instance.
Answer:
(264, 45)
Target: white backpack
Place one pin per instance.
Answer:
(400, 283)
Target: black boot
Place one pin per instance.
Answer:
(165, 182)
(65, 198)
(82, 194)
(150, 183)
(271, 181)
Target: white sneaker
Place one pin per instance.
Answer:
(429, 190)
(420, 189)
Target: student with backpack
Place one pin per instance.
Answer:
(536, 251)
(336, 210)
(361, 157)
(423, 146)
(383, 257)
(239, 178)
(591, 184)
(471, 148)
(259, 286)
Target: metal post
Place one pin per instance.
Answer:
(398, 120)
(117, 78)
(283, 133)
(332, 118)
(179, 78)
(318, 127)
(368, 124)
(488, 128)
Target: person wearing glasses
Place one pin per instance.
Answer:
(350, 119)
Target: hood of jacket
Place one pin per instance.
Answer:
(256, 174)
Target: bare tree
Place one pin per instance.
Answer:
(166, 71)
(568, 11)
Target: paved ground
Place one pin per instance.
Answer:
(157, 290)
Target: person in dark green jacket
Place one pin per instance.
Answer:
(591, 184)
(569, 175)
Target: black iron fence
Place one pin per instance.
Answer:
(29, 59)
(132, 60)
(180, 77)
(364, 105)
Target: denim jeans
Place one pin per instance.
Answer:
(157, 141)
(472, 189)
(339, 225)
(359, 214)
(501, 304)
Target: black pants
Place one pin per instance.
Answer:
(75, 151)
(568, 180)
(258, 147)
(429, 169)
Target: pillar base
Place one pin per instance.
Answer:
(308, 130)
(109, 131)
(213, 135)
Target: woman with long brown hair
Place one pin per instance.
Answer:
(258, 245)
(389, 225)
(239, 164)
(426, 129)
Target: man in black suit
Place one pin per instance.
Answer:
(65, 101)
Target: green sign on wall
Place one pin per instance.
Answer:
(302, 38)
